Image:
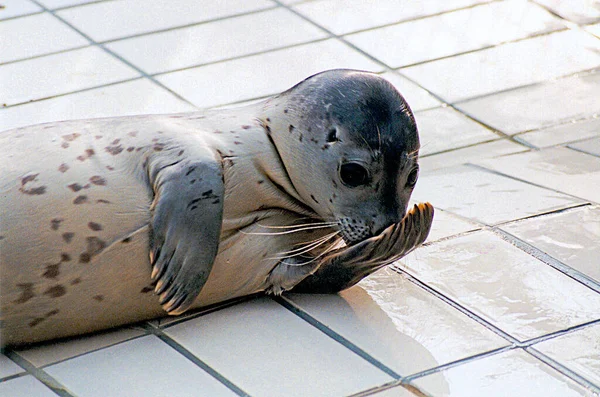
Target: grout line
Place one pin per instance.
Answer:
(33, 57)
(22, 15)
(190, 356)
(395, 385)
(41, 375)
(581, 150)
(291, 306)
(498, 139)
(557, 334)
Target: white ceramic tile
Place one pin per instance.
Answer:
(594, 29)
(15, 8)
(444, 128)
(342, 17)
(110, 20)
(508, 66)
(579, 351)
(259, 344)
(25, 386)
(139, 96)
(54, 4)
(141, 367)
(60, 74)
(507, 287)
(579, 11)
(34, 35)
(446, 225)
(455, 32)
(484, 196)
(469, 154)
(264, 74)
(401, 325)
(571, 237)
(538, 106)
(52, 352)
(565, 133)
(556, 168)
(417, 98)
(513, 373)
(591, 146)
(8, 367)
(397, 391)
(206, 43)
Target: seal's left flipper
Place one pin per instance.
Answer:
(347, 266)
(186, 225)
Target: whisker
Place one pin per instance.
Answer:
(305, 224)
(306, 248)
(287, 231)
(329, 249)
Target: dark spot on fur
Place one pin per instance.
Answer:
(158, 147)
(86, 155)
(314, 140)
(28, 178)
(85, 257)
(126, 240)
(180, 152)
(331, 201)
(99, 298)
(192, 181)
(76, 281)
(108, 167)
(335, 185)
(130, 149)
(80, 199)
(102, 201)
(217, 132)
(35, 322)
(52, 271)
(300, 137)
(260, 182)
(64, 257)
(285, 110)
(268, 120)
(55, 223)
(207, 193)
(325, 147)
(114, 150)
(154, 139)
(190, 170)
(98, 180)
(246, 127)
(55, 292)
(314, 199)
(68, 237)
(71, 137)
(64, 145)
(26, 292)
(63, 168)
(95, 226)
(115, 142)
(94, 247)
(75, 187)
(132, 133)
(52, 313)
(1, 238)
(237, 142)
(291, 128)
(147, 289)
(36, 191)
(98, 136)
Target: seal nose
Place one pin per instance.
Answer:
(383, 220)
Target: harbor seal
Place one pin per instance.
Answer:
(112, 221)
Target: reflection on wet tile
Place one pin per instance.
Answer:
(74, 70)
(484, 196)
(108, 20)
(513, 373)
(579, 351)
(508, 66)
(8, 367)
(564, 133)
(216, 41)
(571, 237)
(141, 367)
(133, 97)
(253, 77)
(504, 285)
(49, 353)
(36, 35)
(418, 98)
(480, 27)
(557, 168)
(25, 386)
(444, 128)
(469, 154)
(579, 11)
(538, 106)
(284, 351)
(591, 146)
(401, 325)
(18, 7)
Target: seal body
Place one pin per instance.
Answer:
(101, 216)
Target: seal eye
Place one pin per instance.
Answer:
(353, 174)
(411, 181)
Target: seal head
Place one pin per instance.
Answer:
(353, 143)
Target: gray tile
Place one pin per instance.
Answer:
(74, 70)
(556, 168)
(538, 106)
(512, 373)
(480, 27)
(17, 8)
(260, 75)
(142, 367)
(216, 41)
(25, 386)
(36, 35)
(53, 4)
(503, 285)
(342, 17)
(508, 66)
(260, 344)
(442, 129)
(591, 146)
(579, 11)
(484, 196)
(109, 20)
(571, 237)
(565, 133)
(8, 367)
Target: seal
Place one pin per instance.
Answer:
(112, 221)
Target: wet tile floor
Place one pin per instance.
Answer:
(503, 299)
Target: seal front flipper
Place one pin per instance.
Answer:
(347, 266)
(185, 225)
